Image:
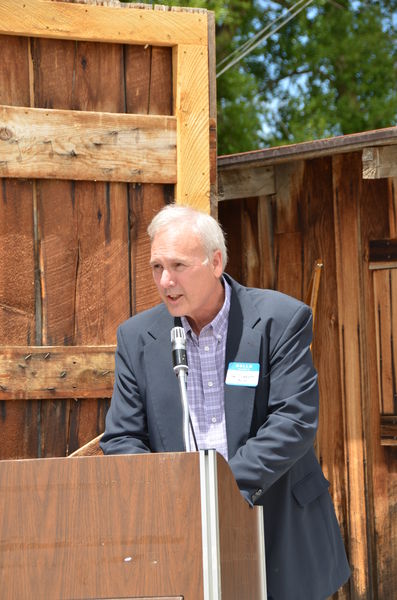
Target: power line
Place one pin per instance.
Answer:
(261, 36)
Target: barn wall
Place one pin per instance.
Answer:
(323, 208)
(74, 254)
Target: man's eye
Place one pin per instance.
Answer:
(179, 266)
(156, 267)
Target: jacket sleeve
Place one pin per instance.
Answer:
(289, 427)
(126, 429)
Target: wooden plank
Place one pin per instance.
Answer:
(379, 162)
(230, 216)
(392, 195)
(63, 20)
(346, 191)
(144, 201)
(246, 183)
(288, 249)
(288, 189)
(14, 88)
(248, 228)
(340, 144)
(51, 372)
(312, 189)
(381, 484)
(212, 114)
(84, 145)
(19, 424)
(266, 243)
(250, 244)
(83, 233)
(160, 85)
(191, 108)
(385, 338)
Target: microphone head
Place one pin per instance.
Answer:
(178, 343)
(178, 337)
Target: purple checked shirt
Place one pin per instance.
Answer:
(205, 382)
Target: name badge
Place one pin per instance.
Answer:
(239, 373)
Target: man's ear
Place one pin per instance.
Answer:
(217, 263)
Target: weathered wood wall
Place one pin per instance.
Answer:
(321, 207)
(74, 252)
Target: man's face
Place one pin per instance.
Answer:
(187, 281)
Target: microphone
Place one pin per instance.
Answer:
(179, 356)
(179, 359)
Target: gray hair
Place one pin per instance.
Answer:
(207, 229)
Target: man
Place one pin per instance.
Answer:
(252, 392)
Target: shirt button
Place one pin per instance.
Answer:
(210, 383)
(206, 348)
(213, 419)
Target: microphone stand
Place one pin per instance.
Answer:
(181, 372)
(179, 359)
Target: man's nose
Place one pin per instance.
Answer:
(166, 278)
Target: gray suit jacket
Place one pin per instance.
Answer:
(270, 429)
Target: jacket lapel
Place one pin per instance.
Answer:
(243, 345)
(162, 385)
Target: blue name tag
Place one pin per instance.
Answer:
(242, 373)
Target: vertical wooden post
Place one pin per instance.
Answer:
(352, 339)
(191, 108)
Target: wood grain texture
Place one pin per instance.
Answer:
(324, 208)
(87, 245)
(83, 233)
(64, 20)
(19, 424)
(238, 540)
(191, 108)
(246, 183)
(80, 145)
(101, 527)
(379, 162)
(385, 290)
(52, 372)
(145, 202)
(352, 337)
(381, 462)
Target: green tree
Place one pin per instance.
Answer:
(330, 70)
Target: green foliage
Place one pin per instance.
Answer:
(330, 70)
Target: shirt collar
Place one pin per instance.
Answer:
(220, 321)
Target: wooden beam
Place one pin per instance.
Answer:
(191, 108)
(122, 24)
(313, 149)
(53, 372)
(246, 182)
(80, 145)
(379, 162)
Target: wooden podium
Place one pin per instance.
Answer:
(170, 526)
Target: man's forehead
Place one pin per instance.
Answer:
(173, 244)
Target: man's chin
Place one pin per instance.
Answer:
(175, 309)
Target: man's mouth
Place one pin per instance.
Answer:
(173, 297)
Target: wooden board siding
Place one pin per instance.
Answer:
(83, 145)
(74, 253)
(323, 208)
(186, 32)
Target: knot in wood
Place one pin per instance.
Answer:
(5, 134)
